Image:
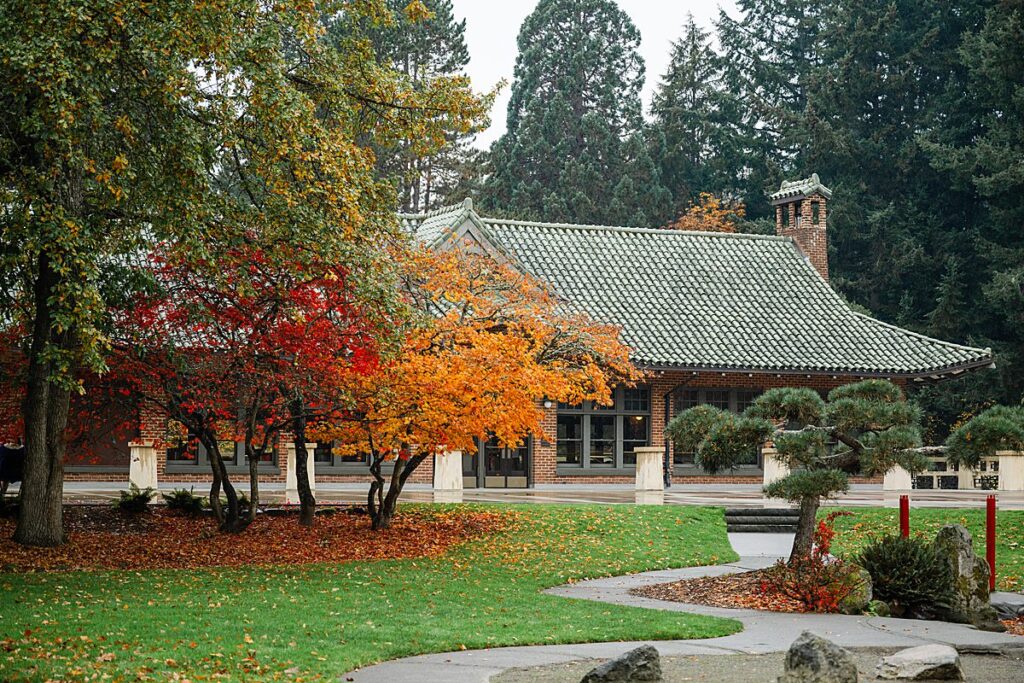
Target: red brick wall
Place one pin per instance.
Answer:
(661, 383)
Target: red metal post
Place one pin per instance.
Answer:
(905, 516)
(990, 540)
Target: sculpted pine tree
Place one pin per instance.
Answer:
(867, 427)
(575, 149)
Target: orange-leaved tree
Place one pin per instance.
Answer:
(486, 345)
(710, 214)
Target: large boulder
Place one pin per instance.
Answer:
(641, 664)
(858, 582)
(932, 662)
(815, 660)
(970, 604)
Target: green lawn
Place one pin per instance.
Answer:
(866, 523)
(322, 620)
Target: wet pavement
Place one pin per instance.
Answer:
(731, 495)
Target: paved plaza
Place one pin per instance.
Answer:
(732, 495)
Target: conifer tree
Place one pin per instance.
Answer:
(422, 47)
(574, 149)
(691, 118)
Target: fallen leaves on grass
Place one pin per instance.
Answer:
(164, 540)
(741, 590)
(1015, 626)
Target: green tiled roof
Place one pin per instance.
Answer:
(709, 301)
(800, 188)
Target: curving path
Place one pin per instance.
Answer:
(762, 632)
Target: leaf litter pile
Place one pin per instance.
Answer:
(100, 537)
(743, 590)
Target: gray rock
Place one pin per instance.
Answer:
(858, 581)
(925, 663)
(970, 580)
(1007, 605)
(815, 660)
(641, 664)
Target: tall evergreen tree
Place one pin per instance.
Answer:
(421, 48)
(575, 147)
(692, 119)
(771, 53)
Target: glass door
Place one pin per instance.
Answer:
(505, 467)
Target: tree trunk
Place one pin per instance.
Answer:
(386, 512)
(231, 521)
(254, 482)
(45, 412)
(307, 503)
(804, 540)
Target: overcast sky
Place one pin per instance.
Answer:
(492, 27)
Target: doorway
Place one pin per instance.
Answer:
(495, 466)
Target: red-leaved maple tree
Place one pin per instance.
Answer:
(243, 351)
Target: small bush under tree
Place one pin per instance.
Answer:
(817, 581)
(135, 500)
(909, 575)
(184, 501)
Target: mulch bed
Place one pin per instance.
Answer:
(741, 590)
(100, 537)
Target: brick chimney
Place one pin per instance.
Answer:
(801, 207)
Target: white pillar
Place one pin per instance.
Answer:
(291, 479)
(1011, 470)
(142, 465)
(897, 479)
(649, 468)
(448, 471)
(774, 469)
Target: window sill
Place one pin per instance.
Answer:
(595, 471)
(100, 469)
(174, 468)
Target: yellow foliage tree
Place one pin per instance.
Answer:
(487, 345)
(710, 214)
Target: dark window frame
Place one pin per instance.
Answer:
(622, 460)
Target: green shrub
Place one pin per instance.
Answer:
(243, 502)
(184, 501)
(909, 575)
(135, 500)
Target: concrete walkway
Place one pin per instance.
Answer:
(730, 495)
(762, 632)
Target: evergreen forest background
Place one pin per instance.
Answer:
(912, 111)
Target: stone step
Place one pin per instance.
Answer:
(761, 528)
(764, 512)
(764, 519)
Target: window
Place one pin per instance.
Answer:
(569, 446)
(593, 436)
(187, 451)
(326, 456)
(797, 213)
(734, 400)
(815, 212)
